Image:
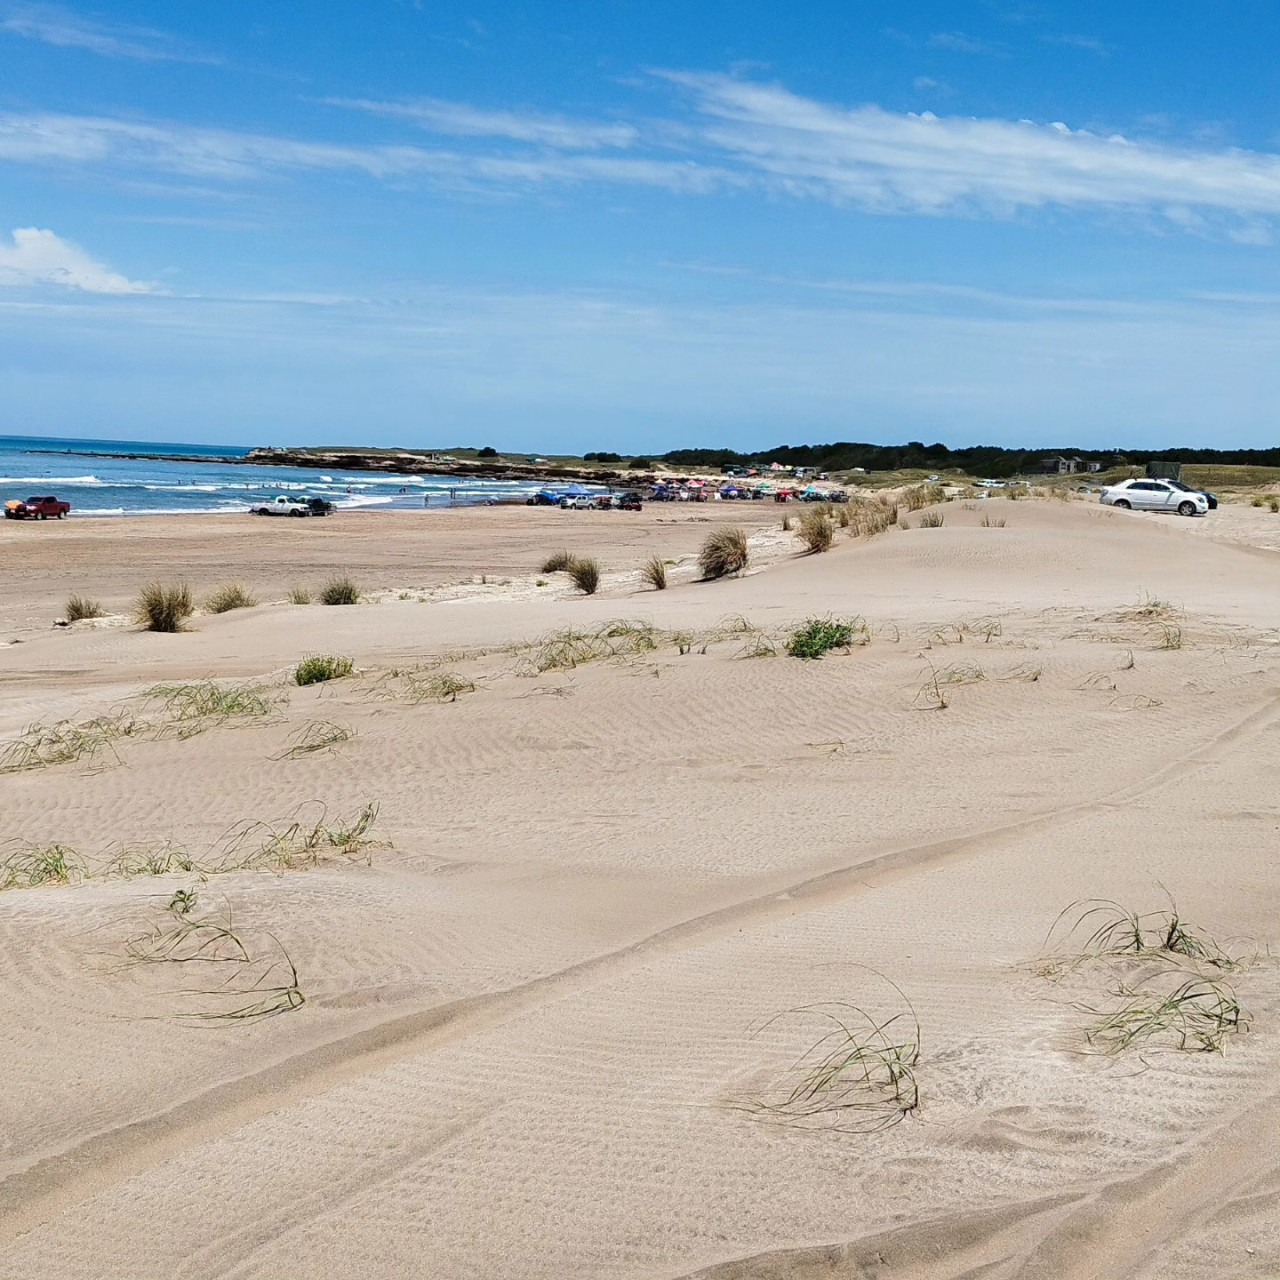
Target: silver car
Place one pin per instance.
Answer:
(1154, 495)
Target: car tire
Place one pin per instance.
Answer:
(1186, 508)
(297, 513)
(1123, 502)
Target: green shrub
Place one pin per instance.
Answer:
(228, 597)
(585, 575)
(321, 667)
(724, 552)
(81, 607)
(340, 591)
(161, 608)
(819, 635)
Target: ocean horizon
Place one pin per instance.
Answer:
(154, 485)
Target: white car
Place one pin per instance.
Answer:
(1154, 495)
(281, 506)
(577, 502)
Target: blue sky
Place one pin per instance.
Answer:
(641, 224)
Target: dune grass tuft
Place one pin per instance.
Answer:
(992, 522)
(859, 1076)
(557, 563)
(81, 607)
(931, 519)
(654, 573)
(318, 735)
(163, 608)
(319, 667)
(228, 597)
(299, 595)
(41, 746)
(340, 591)
(724, 552)
(817, 530)
(258, 846)
(29, 865)
(189, 709)
(585, 575)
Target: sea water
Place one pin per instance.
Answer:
(99, 486)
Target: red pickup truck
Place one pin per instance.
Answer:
(35, 509)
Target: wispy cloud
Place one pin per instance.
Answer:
(1087, 43)
(51, 24)
(733, 134)
(460, 119)
(39, 257)
(958, 42)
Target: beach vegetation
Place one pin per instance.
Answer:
(79, 608)
(41, 746)
(654, 572)
(931, 519)
(189, 709)
(820, 635)
(817, 530)
(163, 608)
(228, 597)
(557, 563)
(299, 595)
(340, 590)
(320, 667)
(29, 866)
(584, 573)
(317, 735)
(724, 552)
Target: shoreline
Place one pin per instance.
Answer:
(341, 460)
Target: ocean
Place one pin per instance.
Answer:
(31, 465)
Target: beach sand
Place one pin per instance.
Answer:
(541, 1008)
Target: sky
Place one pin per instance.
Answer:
(639, 225)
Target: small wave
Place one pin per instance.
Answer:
(39, 481)
(97, 511)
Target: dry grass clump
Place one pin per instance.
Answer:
(1106, 929)
(258, 846)
(421, 684)
(299, 595)
(859, 1076)
(27, 866)
(229, 596)
(724, 552)
(992, 522)
(254, 975)
(163, 608)
(1273, 505)
(868, 518)
(557, 563)
(654, 573)
(41, 746)
(817, 530)
(318, 735)
(931, 520)
(189, 709)
(81, 607)
(320, 667)
(164, 859)
(585, 575)
(1197, 1016)
(564, 650)
(340, 591)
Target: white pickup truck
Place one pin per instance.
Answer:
(281, 506)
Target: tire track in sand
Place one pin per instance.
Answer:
(60, 1180)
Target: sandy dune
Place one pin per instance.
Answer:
(536, 1026)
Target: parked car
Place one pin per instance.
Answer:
(36, 509)
(320, 506)
(284, 505)
(1211, 498)
(628, 502)
(1155, 495)
(576, 502)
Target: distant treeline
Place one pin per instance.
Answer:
(978, 460)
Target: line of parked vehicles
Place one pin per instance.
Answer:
(286, 505)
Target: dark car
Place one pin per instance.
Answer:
(319, 506)
(1211, 498)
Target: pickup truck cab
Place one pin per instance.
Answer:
(49, 508)
(282, 506)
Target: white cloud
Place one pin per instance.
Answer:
(463, 120)
(738, 134)
(958, 42)
(893, 162)
(40, 257)
(51, 24)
